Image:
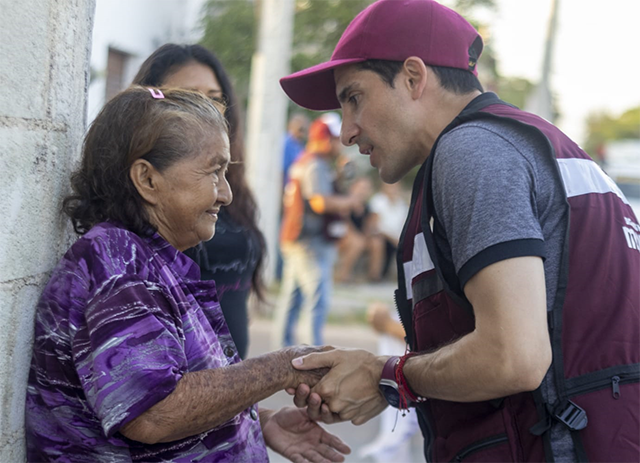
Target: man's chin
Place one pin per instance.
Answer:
(388, 177)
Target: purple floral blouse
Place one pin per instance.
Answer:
(119, 323)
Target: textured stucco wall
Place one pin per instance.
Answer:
(44, 55)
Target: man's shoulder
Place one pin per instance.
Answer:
(487, 130)
(488, 143)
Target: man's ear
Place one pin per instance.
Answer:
(145, 178)
(415, 76)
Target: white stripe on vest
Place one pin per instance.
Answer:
(583, 176)
(580, 177)
(420, 263)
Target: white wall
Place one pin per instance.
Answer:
(44, 52)
(137, 27)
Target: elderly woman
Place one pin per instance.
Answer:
(234, 258)
(132, 359)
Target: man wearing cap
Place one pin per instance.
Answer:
(518, 264)
(312, 222)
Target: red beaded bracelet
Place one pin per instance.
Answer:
(403, 386)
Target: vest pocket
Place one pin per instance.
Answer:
(472, 431)
(483, 450)
(437, 320)
(613, 431)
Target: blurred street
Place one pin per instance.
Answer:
(346, 328)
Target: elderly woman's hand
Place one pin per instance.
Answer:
(297, 377)
(293, 434)
(316, 408)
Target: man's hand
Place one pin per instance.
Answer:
(291, 433)
(350, 388)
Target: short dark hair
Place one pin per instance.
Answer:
(455, 80)
(135, 125)
(387, 70)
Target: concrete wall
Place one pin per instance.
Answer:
(44, 56)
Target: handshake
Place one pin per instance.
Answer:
(336, 384)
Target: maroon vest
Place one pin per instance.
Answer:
(594, 324)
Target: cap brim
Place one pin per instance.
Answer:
(314, 88)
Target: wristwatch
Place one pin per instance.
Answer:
(388, 385)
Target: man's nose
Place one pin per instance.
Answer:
(348, 134)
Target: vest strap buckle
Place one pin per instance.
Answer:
(574, 417)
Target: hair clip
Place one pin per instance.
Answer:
(156, 93)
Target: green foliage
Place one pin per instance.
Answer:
(514, 90)
(230, 31)
(466, 7)
(318, 25)
(603, 128)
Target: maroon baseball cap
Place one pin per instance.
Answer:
(390, 30)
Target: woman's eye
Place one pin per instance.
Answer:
(221, 99)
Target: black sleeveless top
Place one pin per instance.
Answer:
(230, 259)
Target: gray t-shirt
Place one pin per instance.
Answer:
(496, 197)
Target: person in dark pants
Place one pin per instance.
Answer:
(233, 259)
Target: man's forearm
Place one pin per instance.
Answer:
(508, 352)
(205, 399)
(467, 370)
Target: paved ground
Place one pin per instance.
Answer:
(346, 329)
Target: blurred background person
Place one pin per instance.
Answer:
(234, 258)
(313, 220)
(373, 234)
(297, 132)
(388, 210)
(356, 241)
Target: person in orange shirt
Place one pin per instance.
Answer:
(313, 220)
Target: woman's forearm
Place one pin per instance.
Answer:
(205, 399)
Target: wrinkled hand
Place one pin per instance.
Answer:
(307, 376)
(291, 433)
(350, 388)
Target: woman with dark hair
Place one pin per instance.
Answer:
(132, 359)
(234, 257)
